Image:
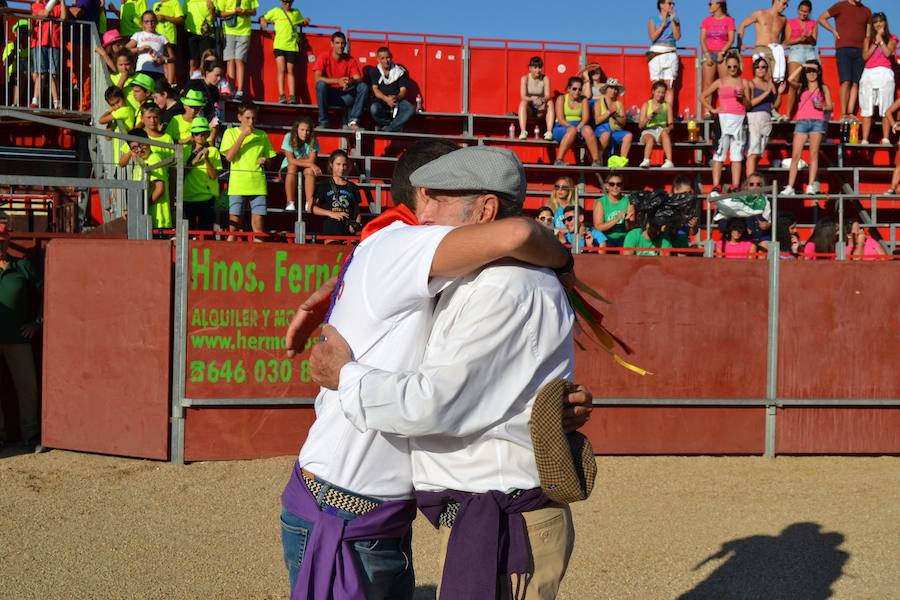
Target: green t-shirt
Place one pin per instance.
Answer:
(179, 129)
(242, 27)
(168, 8)
(247, 178)
(130, 16)
(285, 23)
(14, 283)
(198, 185)
(612, 210)
(123, 123)
(635, 239)
(163, 153)
(195, 13)
(160, 211)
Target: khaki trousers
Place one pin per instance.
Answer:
(551, 538)
(20, 361)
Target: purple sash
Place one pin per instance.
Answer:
(328, 569)
(488, 539)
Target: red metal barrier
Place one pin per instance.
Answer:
(493, 61)
(628, 64)
(107, 346)
(434, 63)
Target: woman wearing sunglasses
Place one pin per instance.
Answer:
(815, 101)
(562, 195)
(613, 212)
(572, 119)
(545, 217)
(734, 100)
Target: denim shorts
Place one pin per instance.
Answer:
(802, 53)
(617, 136)
(257, 205)
(45, 59)
(811, 126)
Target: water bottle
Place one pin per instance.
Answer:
(537, 132)
(512, 131)
(633, 114)
(419, 103)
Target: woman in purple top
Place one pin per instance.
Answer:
(716, 36)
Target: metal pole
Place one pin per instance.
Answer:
(465, 82)
(772, 348)
(842, 243)
(179, 342)
(709, 248)
(774, 226)
(576, 238)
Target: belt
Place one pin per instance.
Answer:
(336, 497)
(451, 510)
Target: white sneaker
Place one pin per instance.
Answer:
(715, 193)
(885, 142)
(290, 206)
(813, 188)
(523, 135)
(644, 163)
(788, 191)
(548, 136)
(668, 165)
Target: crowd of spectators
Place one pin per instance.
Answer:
(145, 99)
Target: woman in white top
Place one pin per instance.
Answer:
(153, 50)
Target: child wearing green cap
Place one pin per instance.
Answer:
(247, 149)
(203, 162)
(180, 125)
(141, 86)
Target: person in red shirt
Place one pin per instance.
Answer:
(851, 28)
(339, 82)
(45, 44)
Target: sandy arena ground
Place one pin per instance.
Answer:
(84, 526)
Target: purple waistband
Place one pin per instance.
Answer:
(328, 569)
(488, 539)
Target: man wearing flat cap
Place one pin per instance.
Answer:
(498, 336)
(351, 488)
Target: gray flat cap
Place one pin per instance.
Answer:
(476, 168)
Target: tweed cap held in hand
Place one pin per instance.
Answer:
(565, 462)
(476, 168)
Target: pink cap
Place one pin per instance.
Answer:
(111, 36)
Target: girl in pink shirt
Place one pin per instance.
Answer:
(716, 36)
(876, 86)
(734, 98)
(735, 243)
(801, 35)
(815, 101)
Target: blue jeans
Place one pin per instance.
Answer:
(385, 566)
(354, 97)
(381, 112)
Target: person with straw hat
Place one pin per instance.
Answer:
(498, 337)
(384, 304)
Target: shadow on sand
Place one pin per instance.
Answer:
(801, 563)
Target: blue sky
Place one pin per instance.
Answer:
(598, 22)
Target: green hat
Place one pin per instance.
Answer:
(145, 81)
(194, 98)
(20, 23)
(200, 125)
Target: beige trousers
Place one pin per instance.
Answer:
(20, 361)
(551, 538)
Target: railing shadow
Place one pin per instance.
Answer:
(801, 563)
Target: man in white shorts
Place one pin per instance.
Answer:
(236, 15)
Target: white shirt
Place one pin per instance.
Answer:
(498, 337)
(384, 311)
(145, 59)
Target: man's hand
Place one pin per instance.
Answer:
(390, 101)
(329, 356)
(576, 410)
(344, 82)
(309, 315)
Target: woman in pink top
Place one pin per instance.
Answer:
(736, 244)
(716, 36)
(734, 99)
(823, 240)
(815, 101)
(859, 245)
(801, 35)
(876, 86)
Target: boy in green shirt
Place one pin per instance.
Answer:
(285, 20)
(170, 16)
(180, 125)
(236, 15)
(158, 191)
(247, 149)
(201, 181)
(119, 117)
(140, 87)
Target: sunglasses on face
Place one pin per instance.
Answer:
(562, 187)
(763, 66)
(616, 184)
(569, 219)
(812, 71)
(754, 185)
(545, 219)
(575, 89)
(732, 66)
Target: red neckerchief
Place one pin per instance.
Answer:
(398, 213)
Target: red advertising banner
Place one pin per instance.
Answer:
(240, 301)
